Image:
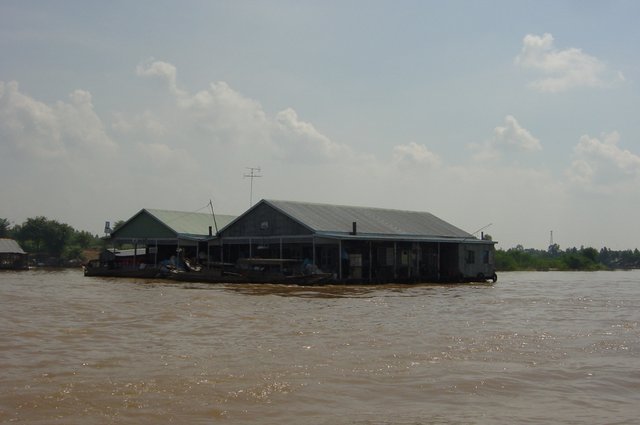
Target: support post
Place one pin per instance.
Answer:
(313, 245)
(370, 262)
(281, 263)
(438, 265)
(395, 260)
(418, 257)
(340, 260)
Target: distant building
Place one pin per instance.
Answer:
(12, 256)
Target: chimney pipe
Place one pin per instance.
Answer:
(355, 228)
(210, 231)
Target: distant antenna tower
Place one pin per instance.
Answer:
(254, 172)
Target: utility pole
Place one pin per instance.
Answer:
(254, 172)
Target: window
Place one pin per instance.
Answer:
(485, 256)
(471, 257)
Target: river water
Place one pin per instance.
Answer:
(554, 347)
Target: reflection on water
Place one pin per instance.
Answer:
(327, 291)
(534, 347)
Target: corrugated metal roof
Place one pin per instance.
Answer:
(190, 223)
(9, 246)
(167, 224)
(338, 219)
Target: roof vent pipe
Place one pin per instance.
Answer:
(355, 228)
(210, 231)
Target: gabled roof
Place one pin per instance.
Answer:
(9, 246)
(336, 220)
(156, 223)
(190, 223)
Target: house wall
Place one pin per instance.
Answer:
(13, 261)
(143, 226)
(265, 232)
(477, 260)
(264, 221)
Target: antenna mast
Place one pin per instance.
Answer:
(214, 216)
(482, 228)
(254, 172)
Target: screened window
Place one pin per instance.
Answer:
(471, 257)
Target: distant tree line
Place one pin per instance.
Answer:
(50, 242)
(554, 258)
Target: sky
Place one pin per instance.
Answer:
(518, 118)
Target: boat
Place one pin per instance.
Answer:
(249, 270)
(281, 270)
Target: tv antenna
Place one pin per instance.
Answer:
(213, 214)
(254, 172)
(472, 234)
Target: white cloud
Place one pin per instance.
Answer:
(29, 126)
(301, 141)
(163, 70)
(515, 136)
(510, 138)
(228, 118)
(600, 163)
(414, 154)
(36, 129)
(161, 156)
(563, 69)
(142, 124)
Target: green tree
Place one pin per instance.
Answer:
(41, 235)
(83, 239)
(5, 228)
(554, 250)
(590, 253)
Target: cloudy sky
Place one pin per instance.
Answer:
(522, 115)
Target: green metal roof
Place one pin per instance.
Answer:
(167, 224)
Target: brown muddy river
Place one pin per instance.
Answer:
(552, 347)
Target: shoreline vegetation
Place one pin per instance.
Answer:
(54, 244)
(571, 259)
(50, 243)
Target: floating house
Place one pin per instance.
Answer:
(12, 256)
(355, 244)
(156, 235)
(298, 242)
